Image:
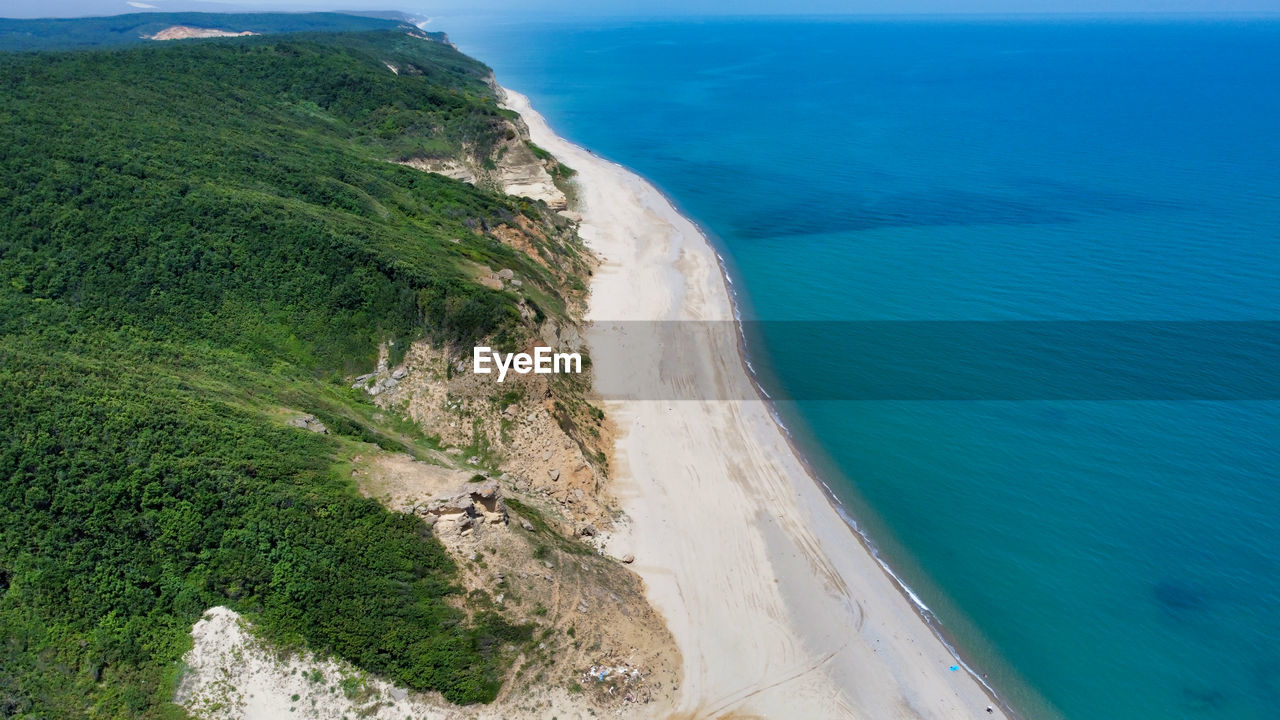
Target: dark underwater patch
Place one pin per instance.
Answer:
(1176, 596)
(1025, 201)
(1199, 700)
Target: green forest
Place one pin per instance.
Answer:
(66, 33)
(192, 236)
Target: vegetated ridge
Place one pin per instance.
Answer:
(200, 242)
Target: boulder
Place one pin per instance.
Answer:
(459, 504)
(569, 336)
(309, 422)
(628, 558)
(399, 374)
(555, 474)
(470, 506)
(549, 333)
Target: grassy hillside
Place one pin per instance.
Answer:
(192, 237)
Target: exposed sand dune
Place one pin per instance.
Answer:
(235, 676)
(186, 32)
(778, 608)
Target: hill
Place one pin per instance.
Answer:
(135, 28)
(198, 241)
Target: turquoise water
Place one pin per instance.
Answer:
(1098, 557)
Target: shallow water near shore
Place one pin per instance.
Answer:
(1116, 553)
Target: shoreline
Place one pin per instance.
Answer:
(828, 684)
(737, 301)
(923, 610)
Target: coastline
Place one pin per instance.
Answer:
(744, 550)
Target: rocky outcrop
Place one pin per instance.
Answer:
(383, 379)
(464, 511)
(309, 422)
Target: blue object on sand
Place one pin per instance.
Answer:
(954, 668)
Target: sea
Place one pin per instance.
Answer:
(987, 205)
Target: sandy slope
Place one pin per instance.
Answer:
(779, 609)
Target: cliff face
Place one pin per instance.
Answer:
(513, 165)
(519, 494)
(512, 168)
(522, 174)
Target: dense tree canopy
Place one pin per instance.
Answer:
(191, 237)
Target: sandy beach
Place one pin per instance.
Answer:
(779, 609)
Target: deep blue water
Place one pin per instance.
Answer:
(1099, 557)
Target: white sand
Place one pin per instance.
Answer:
(233, 675)
(778, 607)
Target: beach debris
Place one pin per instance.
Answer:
(619, 678)
(954, 668)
